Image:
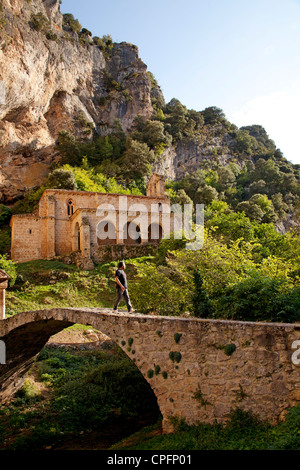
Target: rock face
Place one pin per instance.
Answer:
(189, 155)
(55, 77)
(51, 80)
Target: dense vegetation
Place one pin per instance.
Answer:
(245, 271)
(73, 396)
(243, 431)
(258, 180)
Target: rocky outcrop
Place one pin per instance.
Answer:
(55, 77)
(215, 145)
(53, 80)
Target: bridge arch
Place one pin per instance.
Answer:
(198, 369)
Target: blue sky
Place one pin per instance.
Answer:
(239, 55)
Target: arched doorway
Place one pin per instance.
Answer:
(76, 238)
(155, 233)
(106, 233)
(132, 234)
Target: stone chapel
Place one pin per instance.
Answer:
(85, 222)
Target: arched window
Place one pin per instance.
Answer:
(70, 208)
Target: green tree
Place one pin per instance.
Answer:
(226, 178)
(103, 149)
(5, 215)
(280, 207)
(259, 208)
(166, 292)
(261, 136)
(267, 170)
(176, 119)
(5, 240)
(68, 148)
(213, 115)
(192, 182)
(245, 143)
(259, 186)
(259, 298)
(200, 300)
(266, 205)
(205, 195)
(137, 160)
(180, 197)
(117, 139)
(150, 132)
(195, 122)
(231, 226)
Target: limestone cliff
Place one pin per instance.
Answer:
(53, 80)
(54, 76)
(190, 154)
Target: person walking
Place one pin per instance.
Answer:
(122, 288)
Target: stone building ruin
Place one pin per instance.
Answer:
(90, 222)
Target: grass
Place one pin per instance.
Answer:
(243, 431)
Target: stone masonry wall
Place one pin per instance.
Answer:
(119, 252)
(54, 229)
(198, 369)
(26, 237)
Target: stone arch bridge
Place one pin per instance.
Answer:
(198, 369)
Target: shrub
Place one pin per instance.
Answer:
(5, 215)
(213, 115)
(71, 23)
(51, 36)
(5, 240)
(99, 42)
(260, 298)
(9, 267)
(175, 356)
(39, 22)
(30, 202)
(103, 396)
(201, 303)
(62, 179)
